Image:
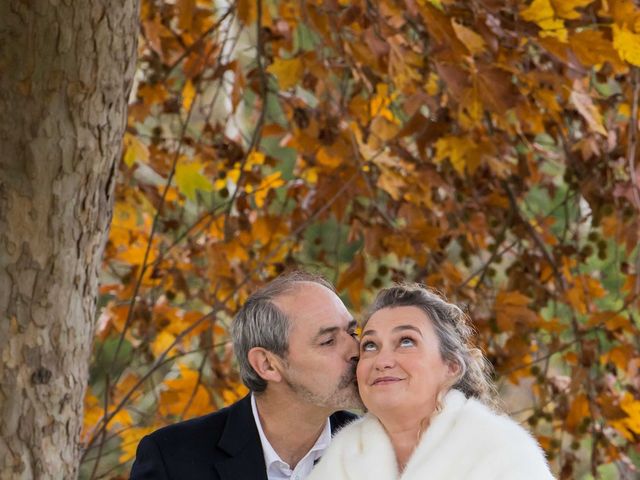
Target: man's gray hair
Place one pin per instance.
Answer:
(260, 323)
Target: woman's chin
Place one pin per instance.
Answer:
(379, 405)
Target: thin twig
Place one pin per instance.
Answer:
(257, 132)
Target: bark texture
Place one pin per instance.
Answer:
(66, 68)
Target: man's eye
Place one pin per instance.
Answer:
(328, 342)
(353, 333)
(368, 347)
(407, 342)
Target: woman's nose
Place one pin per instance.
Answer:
(384, 360)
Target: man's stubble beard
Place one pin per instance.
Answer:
(344, 396)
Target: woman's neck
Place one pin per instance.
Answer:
(405, 433)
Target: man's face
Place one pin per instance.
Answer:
(320, 365)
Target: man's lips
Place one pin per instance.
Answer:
(386, 380)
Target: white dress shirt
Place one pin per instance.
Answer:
(277, 469)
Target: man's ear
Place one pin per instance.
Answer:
(265, 363)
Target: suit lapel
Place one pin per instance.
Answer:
(240, 440)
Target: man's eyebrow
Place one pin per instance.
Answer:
(327, 330)
(324, 331)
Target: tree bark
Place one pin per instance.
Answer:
(66, 68)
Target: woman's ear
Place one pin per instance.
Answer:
(454, 368)
(265, 363)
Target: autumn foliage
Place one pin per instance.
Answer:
(483, 147)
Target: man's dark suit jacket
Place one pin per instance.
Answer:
(224, 445)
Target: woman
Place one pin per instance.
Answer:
(429, 399)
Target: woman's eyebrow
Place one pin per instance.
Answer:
(368, 332)
(407, 327)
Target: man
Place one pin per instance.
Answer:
(296, 349)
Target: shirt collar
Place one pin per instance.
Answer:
(271, 457)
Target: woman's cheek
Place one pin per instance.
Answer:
(361, 371)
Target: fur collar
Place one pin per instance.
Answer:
(466, 440)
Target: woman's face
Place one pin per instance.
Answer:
(400, 367)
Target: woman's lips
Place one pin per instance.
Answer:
(386, 380)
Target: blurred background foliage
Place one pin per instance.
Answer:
(486, 148)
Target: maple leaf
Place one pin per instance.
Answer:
(189, 179)
(585, 106)
(567, 8)
(542, 13)
(627, 44)
(474, 42)
(134, 150)
(287, 71)
(461, 152)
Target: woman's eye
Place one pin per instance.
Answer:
(368, 346)
(407, 342)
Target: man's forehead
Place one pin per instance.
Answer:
(312, 303)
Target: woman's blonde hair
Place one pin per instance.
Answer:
(454, 334)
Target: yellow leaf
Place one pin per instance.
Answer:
(130, 439)
(632, 408)
(630, 425)
(185, 396)
(254, 158)
(134, 150)
(93, 413)
(432, 86)
(188, 94)
(473, 41)
(593, 48)
(627, 44)
(624, 110)
(459, 150)
(231, 177)
(269, 183)
(391, 182)
(233, 394)
(567, 8)
(310, 175)
(327, 158)
(381, 101)
(161, 343)
(287, 71)
(134, 253)
(189, 179)
(542, 13)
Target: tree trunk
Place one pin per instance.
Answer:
(66, 68)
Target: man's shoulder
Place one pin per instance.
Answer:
(210, 426)
(192, 448)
